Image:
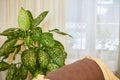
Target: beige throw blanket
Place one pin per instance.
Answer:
(40, 77)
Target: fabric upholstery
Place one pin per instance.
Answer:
(84, 69)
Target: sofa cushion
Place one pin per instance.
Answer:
(84, 69)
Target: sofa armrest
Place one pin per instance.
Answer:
(85, 69)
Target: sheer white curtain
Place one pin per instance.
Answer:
(94, 25)
(80, 17)
(55, 18)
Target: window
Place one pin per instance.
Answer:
(94, 25)
(107, 25)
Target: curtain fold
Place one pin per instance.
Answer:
(55, 18)
(119, 49)
(118, 71)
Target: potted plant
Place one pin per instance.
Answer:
(40, 53)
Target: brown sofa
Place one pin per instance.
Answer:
(84, 69)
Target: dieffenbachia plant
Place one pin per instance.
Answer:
(41, 53)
